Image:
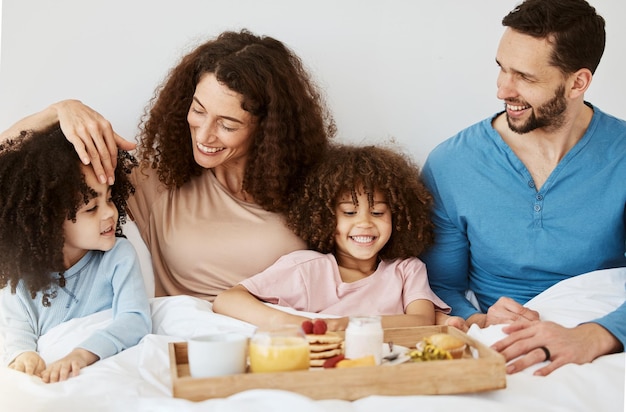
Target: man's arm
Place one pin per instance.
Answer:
(447, 261)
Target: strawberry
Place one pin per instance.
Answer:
(319, 327)
(307, 327)
(331, 362)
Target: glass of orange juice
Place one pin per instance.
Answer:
(279, 349)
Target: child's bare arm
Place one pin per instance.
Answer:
(238, 303)
(420, 312)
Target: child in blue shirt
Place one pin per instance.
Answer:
(63, 254)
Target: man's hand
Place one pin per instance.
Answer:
(581, 344)
(506, 310)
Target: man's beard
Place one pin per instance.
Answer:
(549, 115)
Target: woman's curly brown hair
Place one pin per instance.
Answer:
(294, 126)
(345, 168)
(42, 186)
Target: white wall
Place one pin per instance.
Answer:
(0, 33)
(416, 71)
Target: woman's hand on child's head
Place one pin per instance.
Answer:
(93, 137)
(29, 362)
(69, 366)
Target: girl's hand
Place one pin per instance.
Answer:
(454, 321)
(457, 322)
(93, 137)
(337, 324)
(29, 362)
(69, 366)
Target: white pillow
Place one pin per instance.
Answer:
(582, 298)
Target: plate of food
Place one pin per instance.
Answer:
(394, 354)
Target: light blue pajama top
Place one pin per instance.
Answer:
(99, 281)
(497, 235)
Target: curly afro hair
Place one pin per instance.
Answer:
(348, 169)
(293, 124)
(42, 186)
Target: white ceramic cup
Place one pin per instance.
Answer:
(217, 354)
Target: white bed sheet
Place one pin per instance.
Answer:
(138, 379)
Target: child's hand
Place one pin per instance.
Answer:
(337, 324)
(454, 321)
(69, 366)
(29, 362)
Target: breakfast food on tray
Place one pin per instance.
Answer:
(340, 361)
(332, 362)
(368, 360)
(323, 345)
(317, 327)
(278, 349)
(437, 347)
(453, 345)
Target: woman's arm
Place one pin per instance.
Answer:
(240, 304)
(91, 134)
(37, 121)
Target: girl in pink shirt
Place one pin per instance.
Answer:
(365, 216)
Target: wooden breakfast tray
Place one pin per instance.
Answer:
(486, 372)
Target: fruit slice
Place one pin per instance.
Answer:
(332, 362)
(368, 360)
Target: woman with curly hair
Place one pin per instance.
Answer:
(365, 215)
(225, 141)
(63, 256)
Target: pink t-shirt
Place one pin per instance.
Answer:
(309, 281)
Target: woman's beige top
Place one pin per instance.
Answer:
(202, 240)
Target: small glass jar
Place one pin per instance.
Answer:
(279, 349)
(364, 336)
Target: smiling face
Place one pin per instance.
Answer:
(534, 92)
(95, 224)
(362, 230)
(220, 129)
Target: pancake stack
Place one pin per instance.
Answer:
(324, 347)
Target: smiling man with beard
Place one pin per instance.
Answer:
(535, 194)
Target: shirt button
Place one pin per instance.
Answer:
(537, 208)
(531, 183)
(539, 197)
